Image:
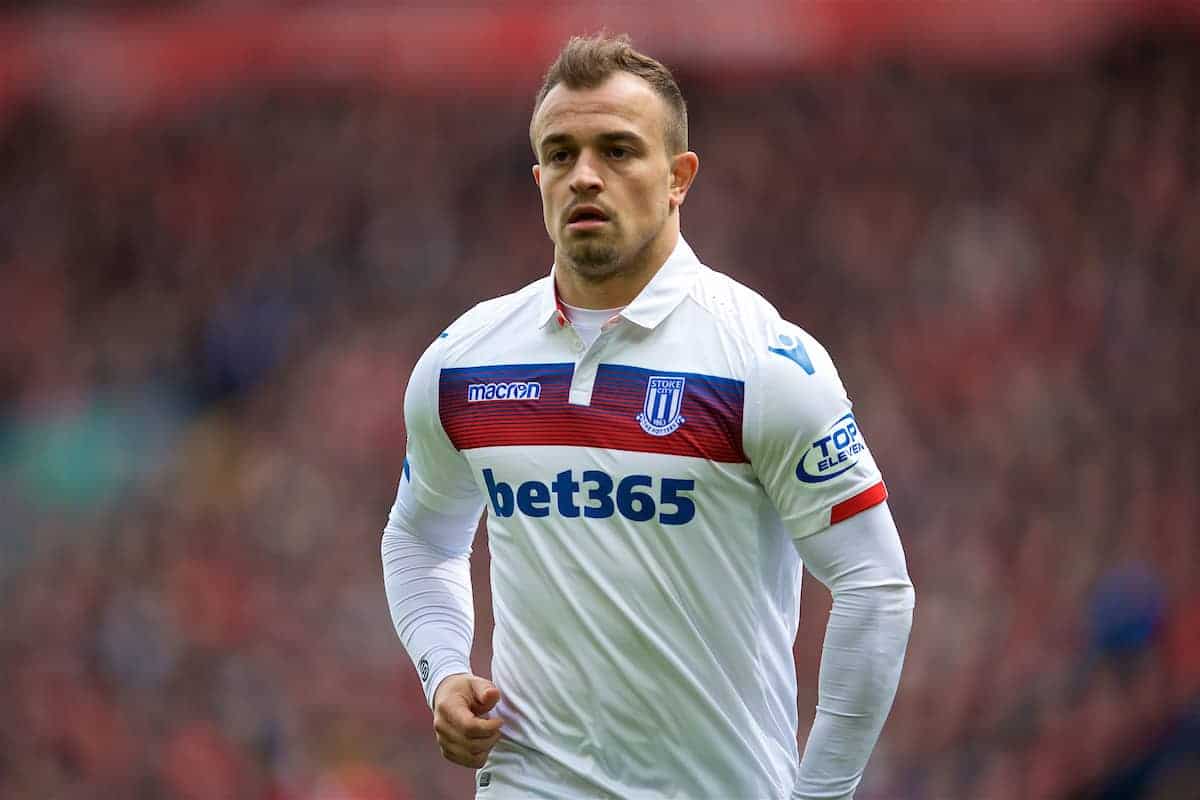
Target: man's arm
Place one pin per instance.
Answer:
(427, 576)
(810, 454)
(862, 563)
(426, 551)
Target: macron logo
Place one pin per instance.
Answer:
(516, 390)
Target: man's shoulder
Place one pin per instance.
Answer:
(488, 314)
(744, 314)
(487, 321)
(735, 307)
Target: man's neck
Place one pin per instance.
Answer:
(618, 290)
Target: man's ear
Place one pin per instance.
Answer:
(683, 171)
(537, 174)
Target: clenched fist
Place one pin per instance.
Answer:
(464, 732)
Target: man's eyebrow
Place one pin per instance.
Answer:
(608, 136)
(620, 135)
(554, 138)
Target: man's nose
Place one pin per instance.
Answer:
(585, 178)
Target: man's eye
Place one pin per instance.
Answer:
(617, 152)
(558, 156)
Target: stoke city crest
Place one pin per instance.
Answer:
(660, 410)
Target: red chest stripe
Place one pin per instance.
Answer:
(526, 405)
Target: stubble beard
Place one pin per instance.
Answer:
(598, 259)
(594, 261)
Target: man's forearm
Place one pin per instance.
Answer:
(862, 562)
(861, 661)
(427, 576)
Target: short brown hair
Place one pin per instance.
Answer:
(588, 61)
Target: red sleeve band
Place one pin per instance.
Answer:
(860, 502)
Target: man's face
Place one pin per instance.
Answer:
(605, 175)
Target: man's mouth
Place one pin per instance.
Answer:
(586, 217)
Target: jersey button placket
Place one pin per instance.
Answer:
(584, 377)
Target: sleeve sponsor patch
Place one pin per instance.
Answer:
(836, 452)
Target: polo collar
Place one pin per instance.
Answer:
(551, 309)
(659, 298)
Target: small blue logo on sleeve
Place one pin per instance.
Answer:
(790, 347)
(834, 454)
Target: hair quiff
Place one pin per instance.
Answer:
(586, 62)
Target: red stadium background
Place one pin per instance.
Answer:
(227, 232)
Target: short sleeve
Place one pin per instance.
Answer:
(807, 449)
(440, 475)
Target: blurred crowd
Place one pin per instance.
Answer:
(211, 317)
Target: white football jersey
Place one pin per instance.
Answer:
(641, 496)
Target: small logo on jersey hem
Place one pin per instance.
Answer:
(514, 390)
(485, 779)
(660, 410)
(423, 669)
